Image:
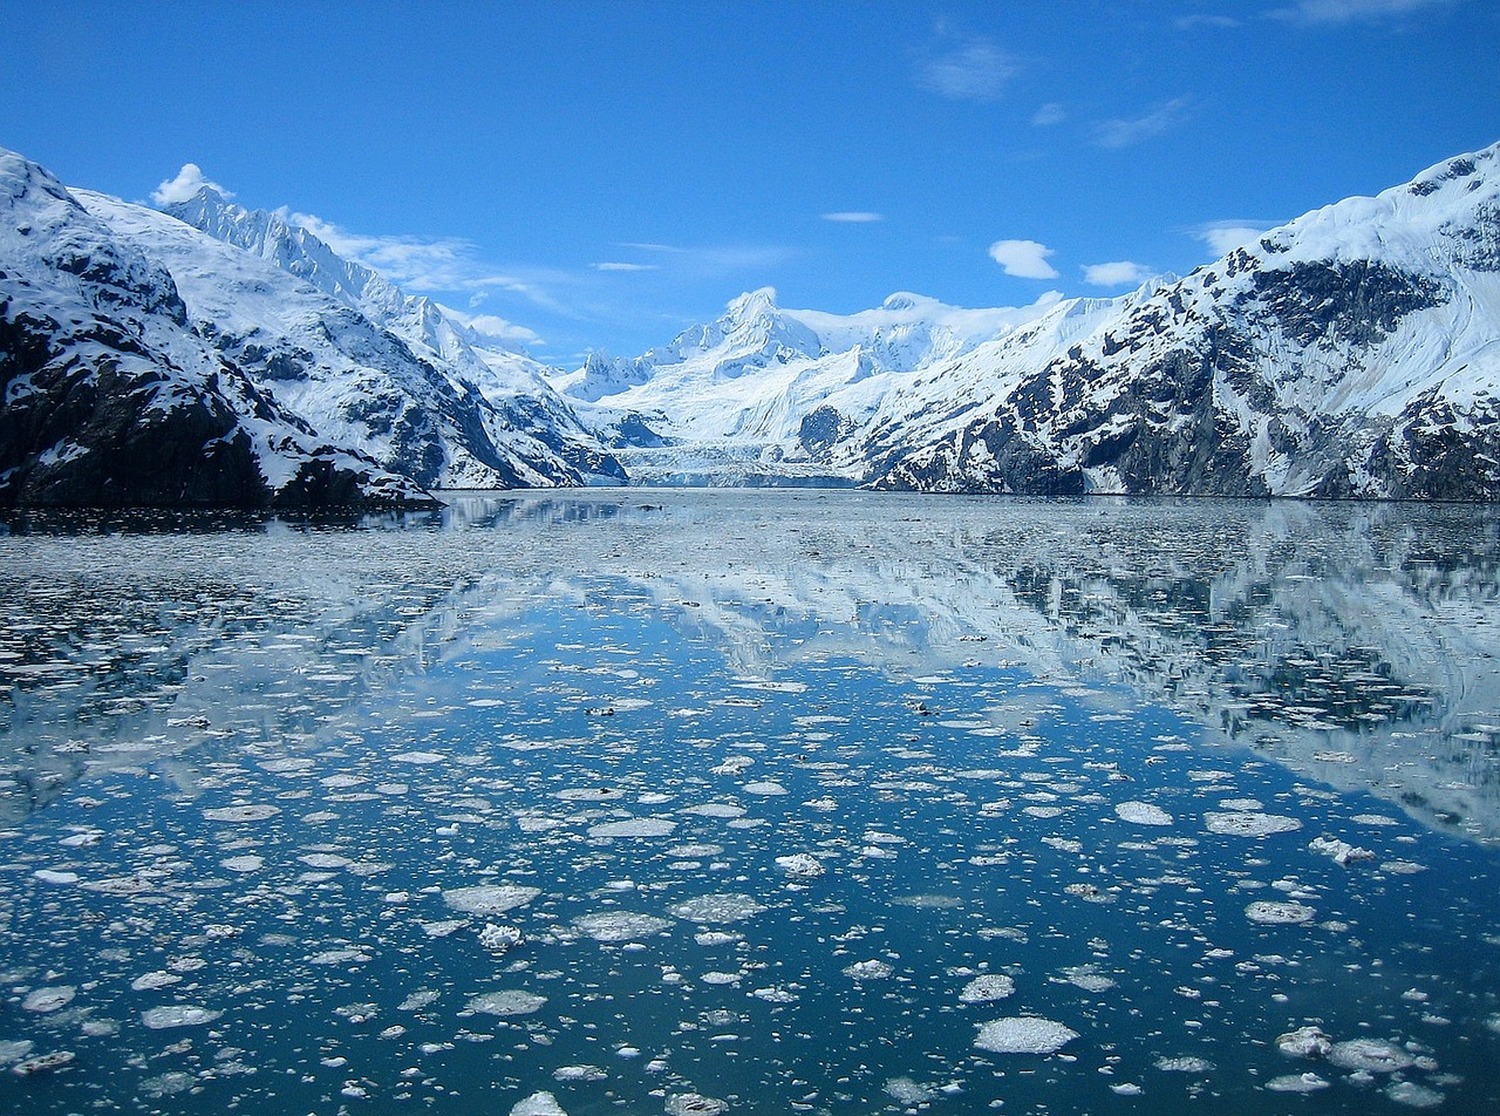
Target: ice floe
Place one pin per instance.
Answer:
(1270, 912)
(1249, 823)
(620, 926)
(507, 1002)
(249, 813)
(178, 1015)
(1142, 813)
(538, 1104)
(727, 907)
(490, 899)
(987, 988)
(1024, 1034)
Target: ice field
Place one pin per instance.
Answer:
(753, 802)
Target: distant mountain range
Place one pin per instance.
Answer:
(214, 355)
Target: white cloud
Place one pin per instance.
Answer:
(1120, 273)
(613, 265)
(1350, 11)
(975, 70)
(1223, 237)
(1126, 131)
(854, 217)
(188, 182)
(1023, 258)
(1048, 114)
(490, 327)
(426, 265)
(1184, 23)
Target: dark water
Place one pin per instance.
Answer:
(796, 801)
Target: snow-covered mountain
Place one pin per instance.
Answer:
(1353, 352)
(108, 395)
(501, 422)
(763, 392)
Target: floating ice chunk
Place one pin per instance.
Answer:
(579, 1073)
(1374, 819)
(52, 876)
(904, 1090)
(987, 988)
(731, 907)
(1271, 913)
(247, 863)
(498, 939)
(1127, 1089)
(490, 899)
(768, 787)
(1185, 1064)
(634, 827)
(1024, 1035)
(1370, 1056)
(250, 813)
(1142, 813)
(868, 970)
(43, 1063)
(1085, 977)
(1297, 1083)
(43, 1000)
(507, 1002)
(418, 757)
(717, 977)
(1304, 1042)
(801, 865)
(178, 1015)
(695, 1104)
(1248, 823)
(1341, 851)
(775, 995)
(715, 810)
(620, 926)
(325, 860)
(419, 999)
(152, 981)
(13, 1050)
(1413, 1095)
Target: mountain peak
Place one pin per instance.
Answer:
(751, 304)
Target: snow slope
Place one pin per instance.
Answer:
(110, 398)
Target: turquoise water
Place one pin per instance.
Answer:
(793, 801)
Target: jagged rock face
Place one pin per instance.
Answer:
(1348, 354)
(107, 397)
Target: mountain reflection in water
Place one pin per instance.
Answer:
(1353, 643)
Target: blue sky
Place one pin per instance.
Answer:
(599, 175)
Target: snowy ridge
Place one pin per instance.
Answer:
(1353, 352)
(505, 416)
(110, 398)
(763, 393)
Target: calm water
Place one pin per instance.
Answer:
(689, 802)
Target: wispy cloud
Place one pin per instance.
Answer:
(491, 327)
(1352, 11)
(430, 264)
(190, 179)
(615, 265)
(1128, 131)
(854, 217)
(1204, 19)
(1223, 237)
(1025, 259)
(1120, 273)
(705, 260)
(1047, 115)
(973, 70)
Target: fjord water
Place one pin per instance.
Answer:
(823, 802)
